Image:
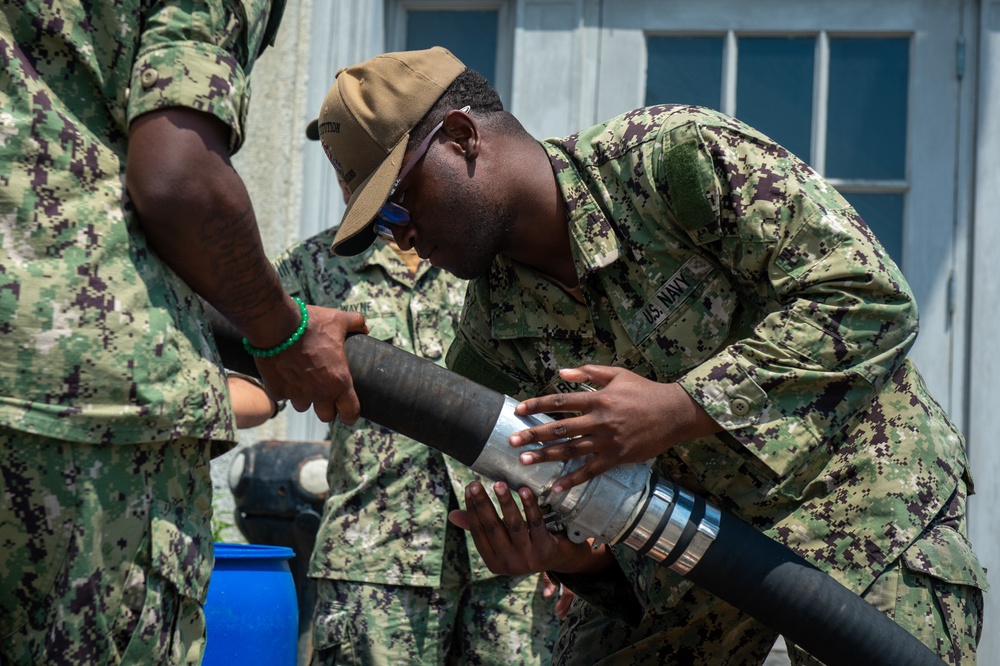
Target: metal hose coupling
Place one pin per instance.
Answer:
(627, 504)
(674, 526)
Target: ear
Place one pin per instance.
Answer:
(462, 129)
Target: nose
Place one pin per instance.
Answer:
(405, 236)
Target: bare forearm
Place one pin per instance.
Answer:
(250, 403)
(197, 216)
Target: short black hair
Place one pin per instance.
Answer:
(470, 88)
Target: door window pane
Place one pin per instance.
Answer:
(867, 100)
(774, 89)
(866, 131)
(884, 215)
(470, 35)
(684, 70)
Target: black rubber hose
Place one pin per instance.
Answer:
(422, 400)
(397, 390)
(743, 567)
(781, 590)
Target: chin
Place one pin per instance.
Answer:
(459, 272)
(471, 271)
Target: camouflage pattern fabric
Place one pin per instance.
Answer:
(385, 521)
(501, 621)
(106, 551)
(100, 341)
(710, 256)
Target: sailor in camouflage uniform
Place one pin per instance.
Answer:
(111, 399)
(397, 583)
(740, 323)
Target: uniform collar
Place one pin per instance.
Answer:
(593, 240)
(381, 255)
(527, 304)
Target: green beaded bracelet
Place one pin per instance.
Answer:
(292, 339)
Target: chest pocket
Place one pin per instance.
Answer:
(684, 319)
(383, 328)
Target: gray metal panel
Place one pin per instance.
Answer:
(984, 391)
(555, 55)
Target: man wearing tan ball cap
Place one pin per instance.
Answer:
(372, 145)
(745, 329)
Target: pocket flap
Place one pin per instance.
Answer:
(329, 625)
(181, 549)
(947, 555)
(382, 328)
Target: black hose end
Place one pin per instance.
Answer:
(783, 591)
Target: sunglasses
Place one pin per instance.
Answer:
(391, 214)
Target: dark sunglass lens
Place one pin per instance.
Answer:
(393, 213)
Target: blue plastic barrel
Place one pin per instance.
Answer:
(251, 613)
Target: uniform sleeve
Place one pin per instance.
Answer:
(198, 55)
(831, 315)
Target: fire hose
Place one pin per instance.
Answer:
(628, 505)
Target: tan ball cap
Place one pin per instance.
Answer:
(365, 123)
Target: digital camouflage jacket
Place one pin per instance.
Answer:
(710, 256)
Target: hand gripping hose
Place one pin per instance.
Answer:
(628, 505)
